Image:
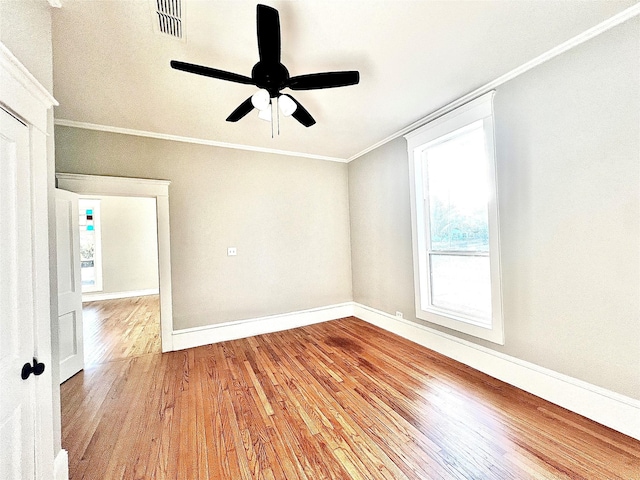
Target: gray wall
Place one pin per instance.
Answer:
(129, 244)
(568, 144)
(288, 217)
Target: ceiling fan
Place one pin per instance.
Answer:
(271, 76)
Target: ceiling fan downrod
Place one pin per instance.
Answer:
(271, 77)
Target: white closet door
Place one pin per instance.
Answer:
(17, 395)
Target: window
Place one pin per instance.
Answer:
(90, 245)
(455, 221)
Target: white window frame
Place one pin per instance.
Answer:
(417, 142)
(97, 256)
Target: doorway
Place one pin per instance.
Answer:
(120, 328)
(93, 185)
(119, 273)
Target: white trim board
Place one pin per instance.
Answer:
(579, 39)
(95, 185)
(198, 336)
(30, 103)
(138, 187)
(608, 408)
(22, 94)
(199, 141)
(93, 297)
(61, 466)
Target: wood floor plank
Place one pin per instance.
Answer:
(121, 328)
(335, 400)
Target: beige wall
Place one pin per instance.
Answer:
(288, 218)
(129, 244)
(25, 29)
(568, 154)
(568, 144)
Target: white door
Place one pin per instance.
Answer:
(69, 285)
(17, 396)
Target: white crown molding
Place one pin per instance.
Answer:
(199, 141)
(583, 37)
(11, 63)
(22, 94)
(608, 408)
(579, 39)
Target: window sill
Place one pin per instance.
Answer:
(462, 324)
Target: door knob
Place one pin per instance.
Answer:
(28, 369)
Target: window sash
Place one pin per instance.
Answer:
(419, 141)
(96, 273)
(458, 309)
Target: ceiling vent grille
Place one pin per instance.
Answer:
(169, 17)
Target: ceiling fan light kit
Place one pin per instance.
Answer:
(261, 99)
(287, 105)
(270, 108)
(271, 76)
(265, 114)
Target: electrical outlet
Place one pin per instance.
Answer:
(399, 315)
(232, 251)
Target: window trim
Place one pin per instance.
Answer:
(417, 142)
(97, 255)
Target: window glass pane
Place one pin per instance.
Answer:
(462, 283)
(458, 191)
(87, 255)
(89, 273)
(87, 262)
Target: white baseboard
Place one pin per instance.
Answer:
(608, 408)
(61, 466)
(195, 337)
(92, 297)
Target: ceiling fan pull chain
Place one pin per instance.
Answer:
(271, 76)
(273, 118)
(275, 113)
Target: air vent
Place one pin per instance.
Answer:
(169, 17)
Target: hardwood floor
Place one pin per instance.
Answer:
(122, 328)
(340, 399)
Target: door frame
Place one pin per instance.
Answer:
(137, 187)
(25, 98)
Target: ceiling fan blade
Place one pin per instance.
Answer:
(315, 81)
(301, 114)
(244, 108)
(268, 22)
(211, 72)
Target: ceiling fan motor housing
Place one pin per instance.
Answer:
(270, 76)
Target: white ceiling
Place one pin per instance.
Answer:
(112, 69)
